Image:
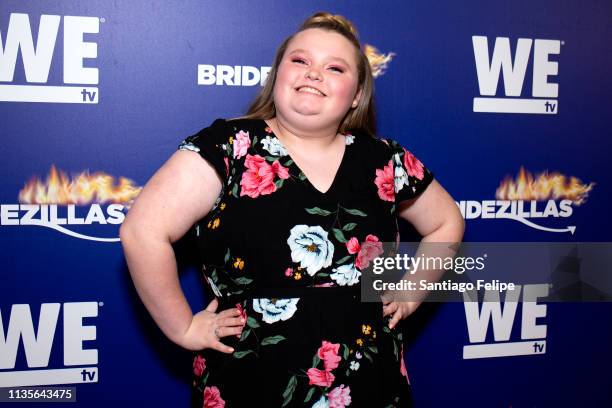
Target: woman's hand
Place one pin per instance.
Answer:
(398, 310)
(207, 327)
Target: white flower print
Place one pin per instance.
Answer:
(346, 275)
(214, 287)
(321, 403)
(349, 139)
(189, 146)
(274, 310)
(310, 247)
(400, 175)
(354, 365)
(274, 146)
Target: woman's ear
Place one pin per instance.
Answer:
(356, 99)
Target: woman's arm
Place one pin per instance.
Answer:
(437, 218)
(179, 194)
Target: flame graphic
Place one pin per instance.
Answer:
(378, 61)
(544, 186)
(83, 188)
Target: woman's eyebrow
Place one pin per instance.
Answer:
(299, 50)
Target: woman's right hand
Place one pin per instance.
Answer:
(207, 328)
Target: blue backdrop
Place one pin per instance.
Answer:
(95, 96)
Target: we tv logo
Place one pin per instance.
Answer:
(38, 55)
(490, 314)
(38, 345)
(513, 70)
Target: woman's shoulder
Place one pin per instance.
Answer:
(376, 146)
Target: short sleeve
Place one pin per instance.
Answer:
(211, 144)
(411, 177)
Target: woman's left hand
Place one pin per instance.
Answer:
(398, 310)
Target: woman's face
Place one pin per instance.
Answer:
(317, 80)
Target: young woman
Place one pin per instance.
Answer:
(290, 203)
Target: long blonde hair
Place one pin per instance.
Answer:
(362, 117)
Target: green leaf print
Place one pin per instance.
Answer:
(288, 393)
(345, 351)
(227, 256)
(349, 227)
(245, 334)
(395, 349)
(252, 323)
(339, 235)
(310, 394)
(317, 211)
(279, 183)
(272, 340)
(240, 354)
(343, 260)
(242, 280)
(355, 212)
(315, 360)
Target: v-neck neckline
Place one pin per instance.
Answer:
(337, 176)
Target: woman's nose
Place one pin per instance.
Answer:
(313, 74)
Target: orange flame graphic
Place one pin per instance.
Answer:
(544, 186)
(378, 61)
(83, 188)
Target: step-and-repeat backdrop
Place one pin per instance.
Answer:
(506, 103)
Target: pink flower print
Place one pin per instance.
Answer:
(328, 352)
(226, 161)
(385, 182)
(212, 398)
(339, 397)
(353, 246)
(414, 167)
(320, 377)
(259, 177)
(199, 365)
(279, 170)
(241, 144)
(403, 365)
(370, 249)
(243, 312)
(288, 272)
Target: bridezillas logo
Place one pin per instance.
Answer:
(246, 75)
(73, 205)
(37, 60)
(79, 364)
(503, 321)
(544, 93)
(528, 199)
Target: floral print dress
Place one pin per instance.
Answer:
(290, 258)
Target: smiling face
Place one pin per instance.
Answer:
(317, 80)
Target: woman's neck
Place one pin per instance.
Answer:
(301, 139)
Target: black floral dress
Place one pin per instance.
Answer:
(290, 258)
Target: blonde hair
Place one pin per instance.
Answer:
(362, 117)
